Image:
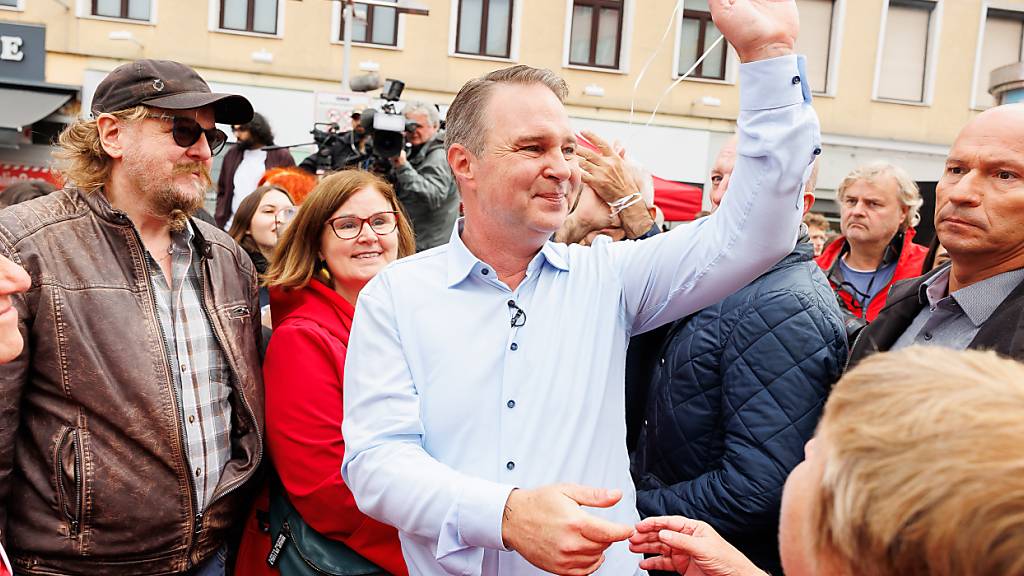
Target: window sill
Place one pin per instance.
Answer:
(595, 69)
(725, 82)
(150, 22)
(368, 45)
(903, 102)
(823, 94)
(479, 57)
(266, 35)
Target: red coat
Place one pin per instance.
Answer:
(911, 258)
(304, 378)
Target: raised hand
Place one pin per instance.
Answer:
(757, 29)
(689, 547)
(547, 527)
(605, 171)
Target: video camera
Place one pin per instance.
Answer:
(387, 126)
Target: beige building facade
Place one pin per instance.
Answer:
(893, 79)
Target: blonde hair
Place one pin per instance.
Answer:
(85, 163)
(296, 257)
(909, 194)
(924, 466)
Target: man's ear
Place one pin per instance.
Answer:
(462, 162)
(112, 132)
(808, 202)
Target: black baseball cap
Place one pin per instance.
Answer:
(166, 84)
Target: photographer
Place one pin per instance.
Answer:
(337, 151)
(423, 181)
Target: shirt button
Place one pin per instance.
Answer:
(511, 465)
(511, 404)
(199, 472)
(796, 79)
(662, 361)
(184, 367)
(927, 335)
(191, 419)
(485, 271)
(817, 151)
(514, 346)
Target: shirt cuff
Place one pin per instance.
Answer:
(773, 83)
(473, 522)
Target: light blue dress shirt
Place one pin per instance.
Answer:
(448, 407)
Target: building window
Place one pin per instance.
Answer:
(904, 59)
(596, 33)
(372, 24)
(484, 28)
(130, 9)
(10, 4)
(696, 34)
(1003, 44)
(815, 40)
(258, 16)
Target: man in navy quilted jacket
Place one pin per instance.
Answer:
(737, 391)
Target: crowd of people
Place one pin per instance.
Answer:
(338, 373)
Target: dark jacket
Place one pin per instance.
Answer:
(276, 158)
(94, 475)
(426, 187)
(1002, 332)
(908, 257)
(738, 392)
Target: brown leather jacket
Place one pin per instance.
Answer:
(94, 476)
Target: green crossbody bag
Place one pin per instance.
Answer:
(299, 550)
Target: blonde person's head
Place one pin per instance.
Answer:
(923, 453)
(85, 164)
(296, 260)
(908, 193)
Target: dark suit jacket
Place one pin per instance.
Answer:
(1002, 332)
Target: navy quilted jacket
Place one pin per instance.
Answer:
(737, 392)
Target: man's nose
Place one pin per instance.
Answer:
(966, 191)
(559, 167)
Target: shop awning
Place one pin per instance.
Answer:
(25, 106)
(678, 201)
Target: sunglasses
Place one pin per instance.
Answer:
(186, 132)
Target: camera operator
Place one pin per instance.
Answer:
(337, 151)
(423, 180)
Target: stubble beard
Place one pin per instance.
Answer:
(166, 200)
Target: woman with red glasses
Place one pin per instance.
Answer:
(348, 229)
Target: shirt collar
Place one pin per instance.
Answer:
(462, 262)
(978, 301)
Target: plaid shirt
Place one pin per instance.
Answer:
(202, 377)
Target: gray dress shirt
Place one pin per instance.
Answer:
(954, 320)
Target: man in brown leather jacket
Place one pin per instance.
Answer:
(132, 421)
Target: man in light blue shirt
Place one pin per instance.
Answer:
(484, 396)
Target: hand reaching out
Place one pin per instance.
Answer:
(689, 547)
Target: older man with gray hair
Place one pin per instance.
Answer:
(423, 180)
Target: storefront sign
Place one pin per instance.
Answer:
(22, 52)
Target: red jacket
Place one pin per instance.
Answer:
(910, 259)
(304, 378)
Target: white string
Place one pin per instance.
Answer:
(681, 78)
(643, 71)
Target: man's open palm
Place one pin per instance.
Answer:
(757, 29)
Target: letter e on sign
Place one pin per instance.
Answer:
(10, 48)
